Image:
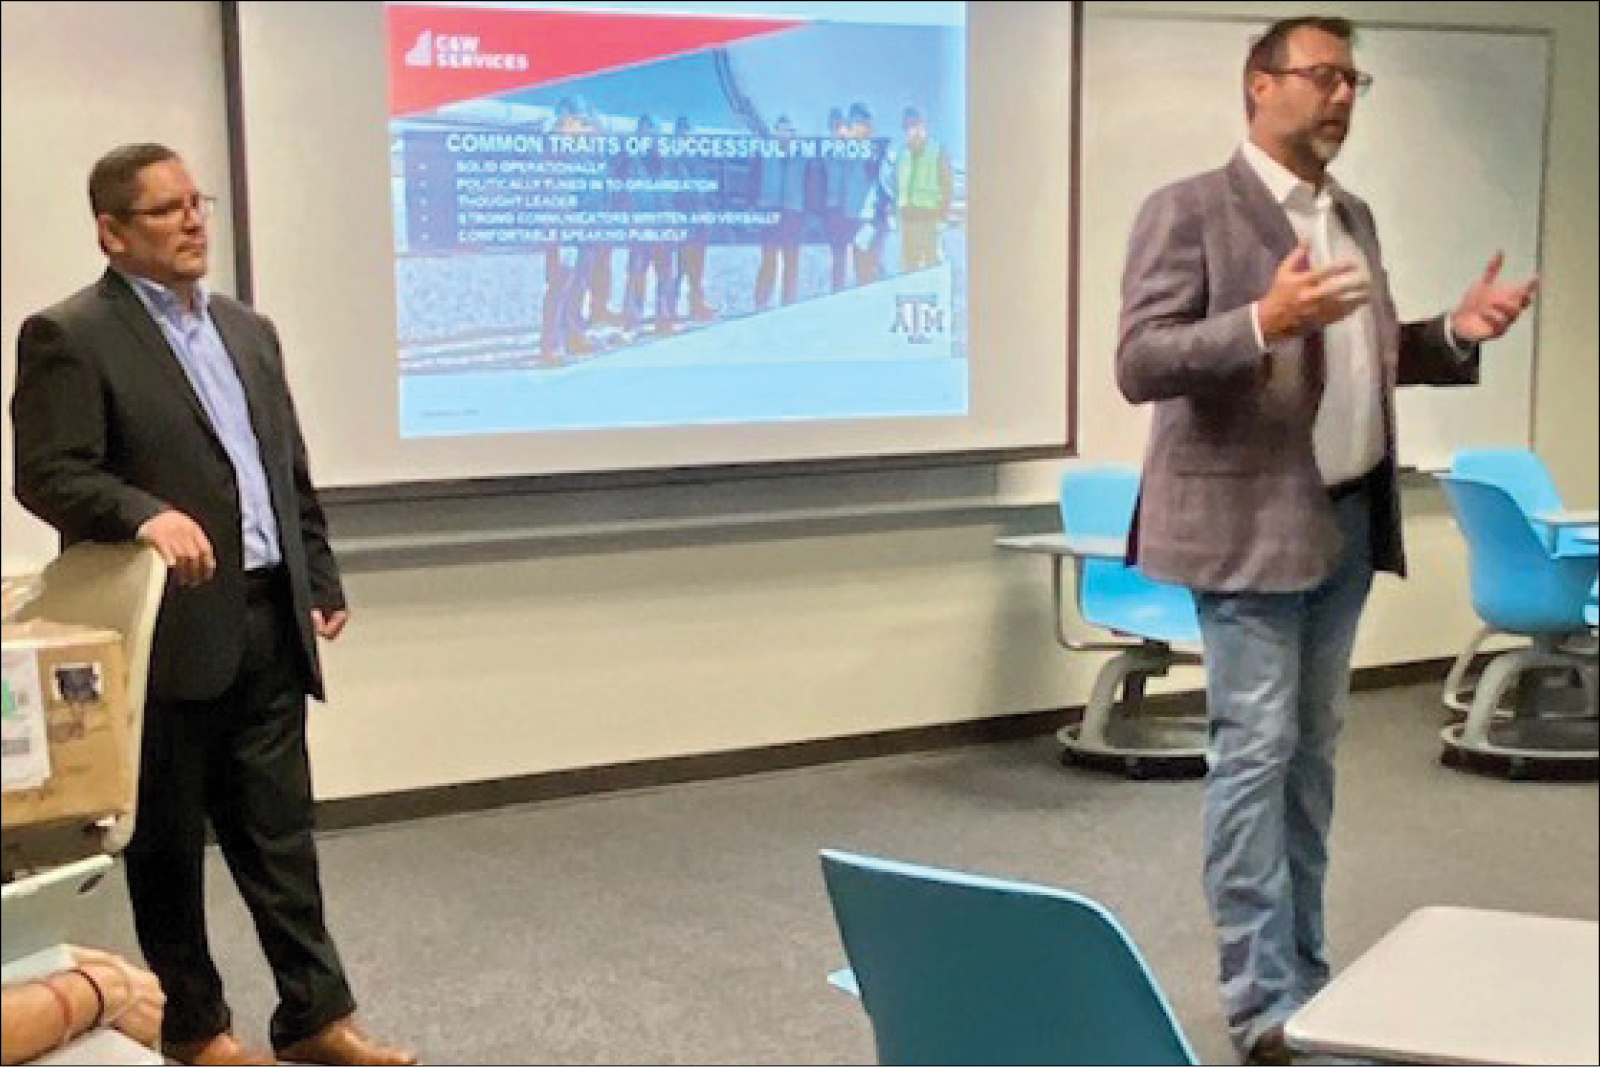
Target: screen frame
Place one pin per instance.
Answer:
(674, 475)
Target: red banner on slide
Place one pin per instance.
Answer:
(442, 55)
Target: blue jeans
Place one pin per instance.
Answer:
(1277, 675)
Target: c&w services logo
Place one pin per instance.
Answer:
(459, 51)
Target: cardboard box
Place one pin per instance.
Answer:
(64, 686)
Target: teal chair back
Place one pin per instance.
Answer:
(1099, 502)
(960, 969)
(1519, 585)
(1518, 471)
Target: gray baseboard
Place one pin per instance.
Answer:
(376, 809)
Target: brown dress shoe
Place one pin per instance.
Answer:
(224, 1048)
(343, 1042)
(1271, 1049)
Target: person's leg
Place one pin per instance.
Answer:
(766, 275)
(665, 258)
(866, 263)
(791, 267)
(166, 870)
(841, 230)
(578, 276)
(261, 806)
(1333, 612)
(910, 257)
(600, 313)
(551, 342)
(694, 271)
(633, 289)
(564, 302)
(1252, 648)
(878, 246)
(924, 240)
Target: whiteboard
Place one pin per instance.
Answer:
(1448, 148)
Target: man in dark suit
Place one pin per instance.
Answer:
(1257, 319)
(147, 407)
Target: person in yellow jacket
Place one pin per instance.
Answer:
(923, 191)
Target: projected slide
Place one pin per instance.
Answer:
(640, 215)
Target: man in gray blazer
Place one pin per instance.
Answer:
(1257, 319)
(149, 408)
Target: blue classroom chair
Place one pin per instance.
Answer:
(957, 968)
(1156, 629)
(1523, 584)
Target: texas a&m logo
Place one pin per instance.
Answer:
(919, 317)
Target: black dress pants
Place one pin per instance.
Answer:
(238, 761)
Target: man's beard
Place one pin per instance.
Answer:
(1325, 149)
(1311, 145)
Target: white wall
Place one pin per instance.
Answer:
(606, 656)
(79, 79)
(535, 655)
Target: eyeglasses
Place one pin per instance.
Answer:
(199, 203)
(1327, 77)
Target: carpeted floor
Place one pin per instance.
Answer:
(688, 925)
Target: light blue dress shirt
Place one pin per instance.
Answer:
(210, 370)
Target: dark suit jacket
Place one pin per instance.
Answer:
(109, 432)
(1231, 498)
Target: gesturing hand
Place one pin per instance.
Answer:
(182, 543)
(1490, 306)
(1302, 299)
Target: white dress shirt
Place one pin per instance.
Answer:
(1348, 435)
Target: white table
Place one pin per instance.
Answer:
(1572, 531)
(1062, 546)
(1571, 517)
(1462, 985)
